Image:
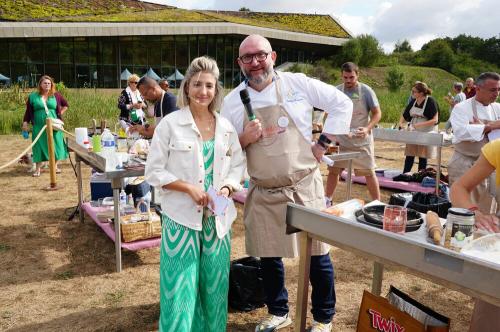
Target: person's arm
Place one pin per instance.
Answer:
(28, 115)
(406, 112)
(463, 124)
(461, 190)
(123, 106)
(251, 133)
(62, 103)
(147, 130)
(237, 165)
(430, 122)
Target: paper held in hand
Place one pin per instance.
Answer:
(220, 202)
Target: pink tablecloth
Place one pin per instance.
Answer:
(240, 196)
(388, 183)
(109, 229)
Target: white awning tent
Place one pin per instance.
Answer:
(176, 76)
(4, 80)
(125, 75)
(175, 79)
(151, 74)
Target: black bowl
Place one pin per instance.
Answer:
(375, 215)
(361, 218)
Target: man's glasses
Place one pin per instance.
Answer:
(133, 82)
(248, 58)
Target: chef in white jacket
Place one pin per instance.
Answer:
(472, 121)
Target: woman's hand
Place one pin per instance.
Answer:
(199, 196)
(487, 222)
(224, 192)
(25, 126)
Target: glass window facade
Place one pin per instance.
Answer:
(98, 61)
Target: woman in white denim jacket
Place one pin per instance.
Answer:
(193, 149)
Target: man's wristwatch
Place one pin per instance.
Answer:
(324, 141)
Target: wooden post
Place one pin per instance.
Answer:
(378, 275)
(303, 287)
(52, 156)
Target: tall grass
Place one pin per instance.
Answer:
(84, 105)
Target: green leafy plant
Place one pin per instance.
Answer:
(395, 78)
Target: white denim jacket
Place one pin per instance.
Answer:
(176, 154)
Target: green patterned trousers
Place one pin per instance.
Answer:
(194, 278)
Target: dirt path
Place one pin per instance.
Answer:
(59, 275)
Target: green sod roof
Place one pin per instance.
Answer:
(137, 11)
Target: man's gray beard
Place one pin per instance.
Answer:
(259, 79)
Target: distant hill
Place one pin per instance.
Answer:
(435, 78)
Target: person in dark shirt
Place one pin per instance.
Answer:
(470, 88)
(131, 103)
(422, 115)
(165, 103)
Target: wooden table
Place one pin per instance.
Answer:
(414, 137)
(478, 279)
(99, 163)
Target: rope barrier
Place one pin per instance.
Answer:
(25, 150)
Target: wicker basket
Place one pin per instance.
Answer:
(140, 226)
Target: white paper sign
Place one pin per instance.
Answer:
(220, 202)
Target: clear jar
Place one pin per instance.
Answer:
(459, 228)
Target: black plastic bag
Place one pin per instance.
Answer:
(246, 291)
(422, 202)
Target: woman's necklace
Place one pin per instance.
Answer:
(206, 125)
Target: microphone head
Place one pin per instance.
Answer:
(245, 98)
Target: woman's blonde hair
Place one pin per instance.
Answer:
(133, 77)
(52, 86)
(201, 64)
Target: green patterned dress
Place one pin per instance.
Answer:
(41, 149)
(194, 271)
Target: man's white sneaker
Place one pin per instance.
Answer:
(273, 323)
(321, 327)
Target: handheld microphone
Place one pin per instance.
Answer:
(245, 99)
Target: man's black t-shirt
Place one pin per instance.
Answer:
(167, 106)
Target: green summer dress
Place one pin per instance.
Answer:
(41, 149)
(194, 271)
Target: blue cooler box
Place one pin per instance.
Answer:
(100, 187)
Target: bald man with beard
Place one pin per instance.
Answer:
(283, 167)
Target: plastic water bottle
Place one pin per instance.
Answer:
(108, 150)
(123, 201)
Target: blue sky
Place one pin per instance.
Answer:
(389, 21)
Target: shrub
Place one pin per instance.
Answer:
(438, 53)
(351, 51)
(395, 78)
(370, 51)
(403, 47)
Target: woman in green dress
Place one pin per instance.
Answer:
(42, 104)
(193, 150)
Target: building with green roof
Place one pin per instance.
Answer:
(89, 43)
